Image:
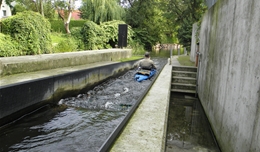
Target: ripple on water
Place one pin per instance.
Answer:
(84, 126)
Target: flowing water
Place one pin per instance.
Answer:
(80, 123)
(84, 122)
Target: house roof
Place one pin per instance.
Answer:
(76, 15)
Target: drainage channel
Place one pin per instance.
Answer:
(188, 127)
(87, 122)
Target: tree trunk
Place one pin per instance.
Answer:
(67, 23)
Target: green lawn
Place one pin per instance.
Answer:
(185, 61)
(57, 37)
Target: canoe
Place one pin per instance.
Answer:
(144, 75)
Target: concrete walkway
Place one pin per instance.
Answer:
(146, 130)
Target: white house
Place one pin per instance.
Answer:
(5, 10)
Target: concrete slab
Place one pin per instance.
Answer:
(16, 78)
(146, 130)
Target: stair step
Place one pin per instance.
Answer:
(183, 86)
(184, 74)
(182, 101)
(186, 80)
(183, 91)
(184, 68)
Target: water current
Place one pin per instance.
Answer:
(80, 123)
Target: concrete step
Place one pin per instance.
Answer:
(183, 91)
(183, 80)
(184, 68)
(183, 86)
(184, 74)
(182, 101)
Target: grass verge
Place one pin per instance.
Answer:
(185, 61)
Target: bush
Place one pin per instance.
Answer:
(111, 32)
(93, 36)
(7, 46)
(75, 33)
(31, 31)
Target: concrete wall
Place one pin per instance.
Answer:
(21, 98)
(23, 64)
(229, 73)
(193, 43)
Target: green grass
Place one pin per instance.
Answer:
(57, 37)
(131, 58)
(185, 61)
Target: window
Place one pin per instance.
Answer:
(4, 12)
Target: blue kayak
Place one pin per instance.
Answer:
(144, 75)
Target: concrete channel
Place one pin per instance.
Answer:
(146, 129)
(22, 93)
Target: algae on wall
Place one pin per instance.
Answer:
(229, 72)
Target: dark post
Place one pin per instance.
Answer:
(122, 35)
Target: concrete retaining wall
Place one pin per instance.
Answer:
(229, 73)
(23, 64)
(21, 98)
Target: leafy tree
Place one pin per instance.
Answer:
(44, 7)
(65, 9)
(101, 10)
(182, 14)
(146, 19)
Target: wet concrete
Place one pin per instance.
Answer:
(188, 127)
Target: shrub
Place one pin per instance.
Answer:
(31, 31)
(93, 36)
(7, 46)
(75, 33)
(111, 32)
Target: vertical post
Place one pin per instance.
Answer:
(170, 62)
(122, 35)
(178, 47)
(197, 55)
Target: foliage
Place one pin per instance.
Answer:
(29, 5)
(8, 47)
(67, 45)
(137, 48)
(18, 8)
(101, 36)
(111, 32)
(64, 9)
(100, 11)
(57, 37)
(146, 20)
(75, 33)
(58, 25)
(31, 31)
(183, 13)
(49, 11)
(93, 36)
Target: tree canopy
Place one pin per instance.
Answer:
(100, 11)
